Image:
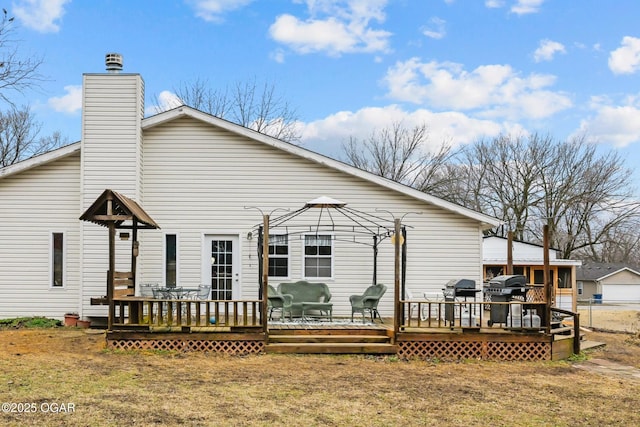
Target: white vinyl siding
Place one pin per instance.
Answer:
(33, 204)
(198, 179)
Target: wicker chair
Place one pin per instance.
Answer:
(368, 302)
(278, 302)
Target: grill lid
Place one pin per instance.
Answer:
(461, 284)
(508, 281)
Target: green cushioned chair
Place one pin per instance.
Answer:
(368, 302)
(278, 302)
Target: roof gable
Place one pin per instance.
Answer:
(596, 271)
(185, 111)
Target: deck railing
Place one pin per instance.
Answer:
(518, 315)
(142, 313)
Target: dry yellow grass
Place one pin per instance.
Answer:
(611, 320)
(173, 389)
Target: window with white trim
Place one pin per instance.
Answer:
(171, 260)
(318, 255)
(57, 260)
(278, 255)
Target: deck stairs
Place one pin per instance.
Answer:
(330, 341)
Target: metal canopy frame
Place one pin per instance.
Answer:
(363, 226)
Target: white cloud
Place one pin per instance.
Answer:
(618, 125)
(212, 10)
(626, 59)
(436, 28)
(167, 100)
(328, 134)
(40, 15)
(523, 7)
(547, 50)
(69, 103)
(492, 4)
(334, 27)
(492, 90)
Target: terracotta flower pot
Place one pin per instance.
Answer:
(71, 319)
(83, 324)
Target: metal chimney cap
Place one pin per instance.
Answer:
(113, 62)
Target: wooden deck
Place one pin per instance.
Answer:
(184, 326)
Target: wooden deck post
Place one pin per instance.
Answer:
(510, 253)
(547, 285)
(396, 294)
(265, 273)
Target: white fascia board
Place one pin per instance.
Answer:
(554, 262)
(184, 111)
(41, 159)
(619, 271)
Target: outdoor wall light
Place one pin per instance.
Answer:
(124, 235)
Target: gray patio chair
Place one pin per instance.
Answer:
(277, 301)
(368, 302)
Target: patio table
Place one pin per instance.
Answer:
(326, 307)
(175, 293)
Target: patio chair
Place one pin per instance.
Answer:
(278, 301)
(204, 292)
(368, 302)
(410, 296)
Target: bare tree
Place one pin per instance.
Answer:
(16, 72)
(584, 197)
(397, 153)
(248, 104)
(19, 137)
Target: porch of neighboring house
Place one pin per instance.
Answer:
(421, 328)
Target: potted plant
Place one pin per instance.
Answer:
(83, 323)
(71, 319)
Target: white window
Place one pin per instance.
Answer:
(318, 256)
(278, 255)
(171, 260)
(57, 260)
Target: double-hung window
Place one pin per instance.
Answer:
(278, 255)
(318, 256)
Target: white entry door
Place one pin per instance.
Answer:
(222, 266)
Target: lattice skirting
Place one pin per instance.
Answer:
(447, 350)
(218, 346)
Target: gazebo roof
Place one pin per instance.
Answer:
(114, 207)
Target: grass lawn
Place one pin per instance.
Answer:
(67, 370)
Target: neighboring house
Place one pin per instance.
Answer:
(609, 282)
(198, 176)
(528, 260)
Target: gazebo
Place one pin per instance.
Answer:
(346, 224)
(116, 211)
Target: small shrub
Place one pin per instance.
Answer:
(30, 322)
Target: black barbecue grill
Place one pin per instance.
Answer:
(504, 289)
(457, 288)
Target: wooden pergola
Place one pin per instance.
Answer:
(116, 211)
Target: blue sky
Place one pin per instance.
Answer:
(467, 68)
